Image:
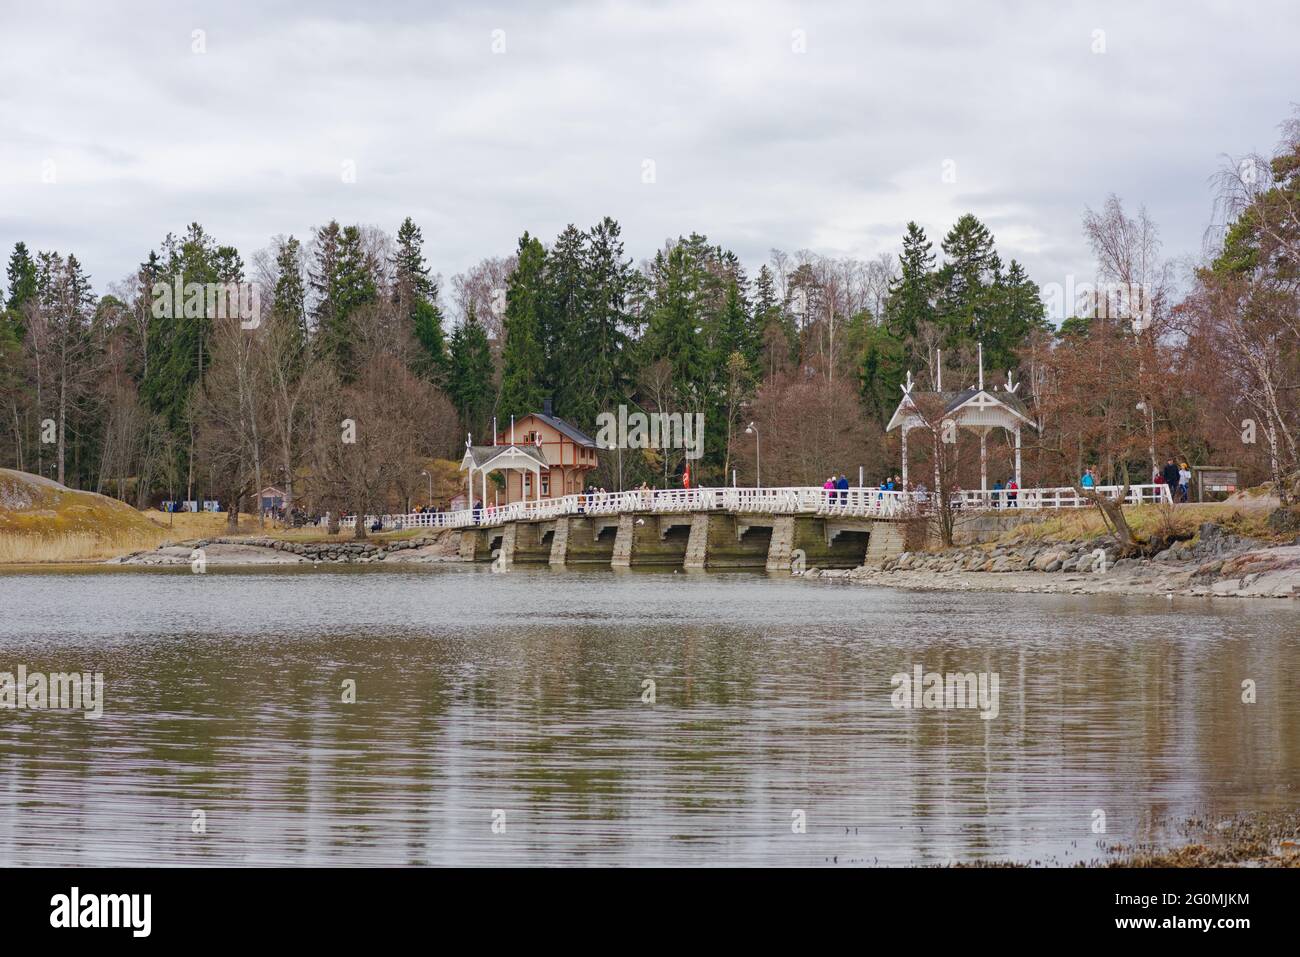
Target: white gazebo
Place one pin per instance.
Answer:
(502, 458)
(977, 409)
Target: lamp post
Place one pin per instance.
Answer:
(752, 429)
(430, 478)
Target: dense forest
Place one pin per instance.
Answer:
(360, 366)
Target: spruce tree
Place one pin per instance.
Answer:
(178, 336)
(965, 283)
(911, 297)
(562, 323)
(415, 294)
(602, 371)
(289, 297)
(22, 278)
(523, 372)
(1018, 311)
(344, 279)
(735, 328)
(673, 332)
(469, 376)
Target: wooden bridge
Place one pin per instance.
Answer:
(720, 527)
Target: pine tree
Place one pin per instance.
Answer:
(415, 294)
(523, 384)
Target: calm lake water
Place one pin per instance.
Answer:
(521, 693)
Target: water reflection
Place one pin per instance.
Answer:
(522, 693)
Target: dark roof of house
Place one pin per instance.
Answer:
(572, 431)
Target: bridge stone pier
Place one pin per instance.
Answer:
(579, 541)
(646, 539)
(826, 542)
(477, 545)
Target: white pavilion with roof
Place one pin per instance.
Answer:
(976, 409)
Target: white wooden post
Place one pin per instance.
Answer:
(984, 460)
(1017, 456)
(904, 457)
(938, 440)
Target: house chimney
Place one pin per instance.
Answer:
(546, 406)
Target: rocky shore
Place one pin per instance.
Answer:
(1216, 563)
(271, 551)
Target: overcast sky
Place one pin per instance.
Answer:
(753, 142)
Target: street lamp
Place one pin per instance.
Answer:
(430, 478)
(752, 429)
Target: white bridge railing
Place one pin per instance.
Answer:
(798, 500)
(1061, 497)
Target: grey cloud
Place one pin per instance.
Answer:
(757, 146)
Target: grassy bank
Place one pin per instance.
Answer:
(42, 522)
(1148, 522)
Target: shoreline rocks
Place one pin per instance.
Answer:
(271, 551)
(1216, 564)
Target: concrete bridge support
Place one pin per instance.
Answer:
(726, 541)
(823, 542)
(888, 540)
(476, 544)
(579, 540)
(526, 543)
(648, 539)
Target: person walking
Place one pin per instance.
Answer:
(1012, 488)
(843, 486)
(1184, 482)
(829, 488)
(1170, 475)
(997, 494)
(1088, 480)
